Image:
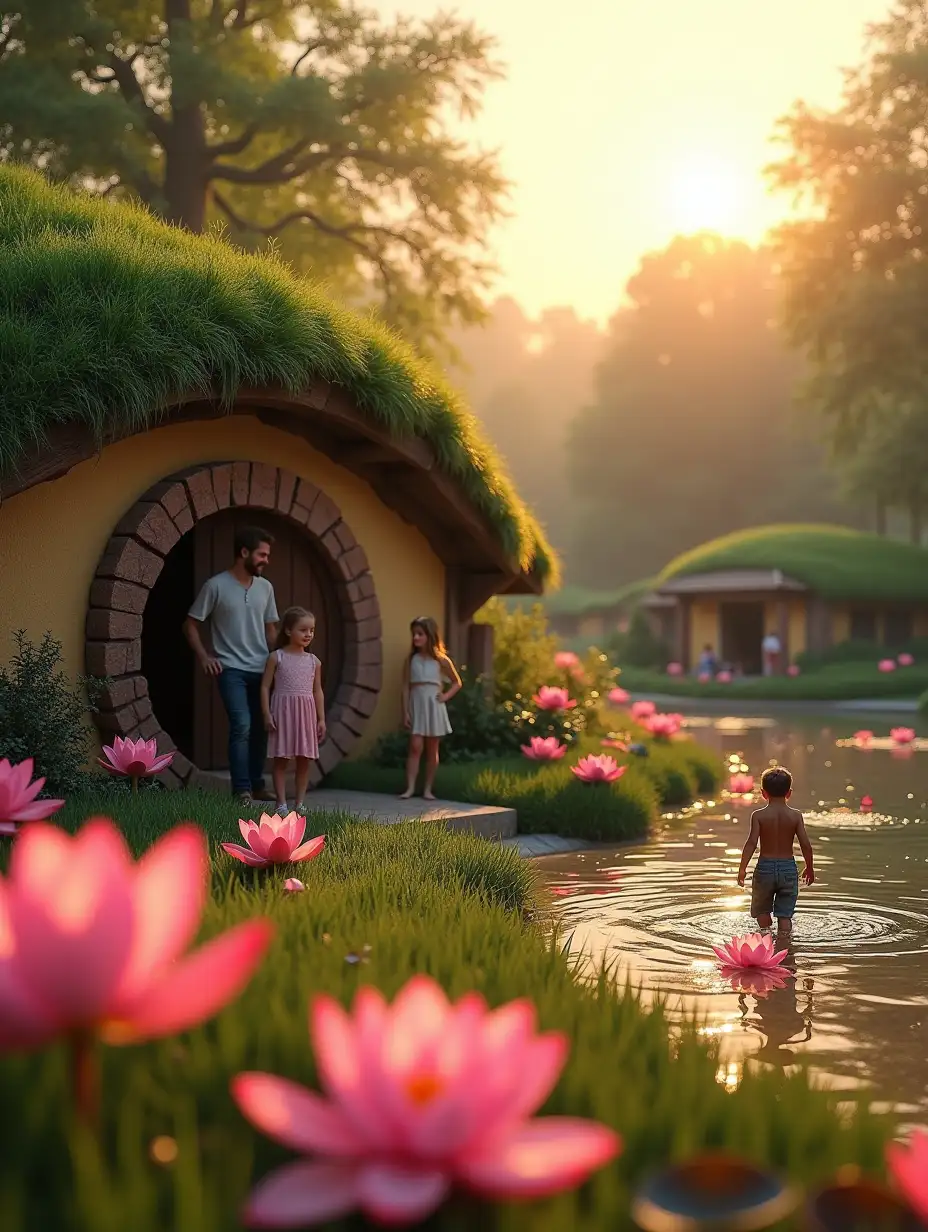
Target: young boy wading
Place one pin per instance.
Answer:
(775, 888)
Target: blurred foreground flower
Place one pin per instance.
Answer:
(886, 665)
(751, 950)
(905, 660)
(599, 768)
(618, 697)
(663, 726)
(18, 794)
(741, 784)
(564, 660)
(543, 748)
(610, 742)
(908, 1167)
(274, 840)
(902, 735)
(136, 759)
(419, 1097)
(551, 697)
(293, 885)
(93, 944)
(641, 710)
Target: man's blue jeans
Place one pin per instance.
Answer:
(241, 695)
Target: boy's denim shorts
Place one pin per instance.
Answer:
(775, 888)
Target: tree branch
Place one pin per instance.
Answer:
(131, 90)
(235, 145)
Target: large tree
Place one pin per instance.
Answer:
(854, 262)
(307, 122)
(692, 432)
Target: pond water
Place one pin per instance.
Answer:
(856, 1010)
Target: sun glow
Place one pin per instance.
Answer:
(706, 194)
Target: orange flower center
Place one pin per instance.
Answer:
(423, 1088)
(116, 1032)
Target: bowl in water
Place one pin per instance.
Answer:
(718, 1192)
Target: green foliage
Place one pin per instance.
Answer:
(833, 561)
(862, 652)
(480, 730)
(694, 394)
(43, 714)
(126, 315)
(523, 649)
(832, 682)
(317, 128)
(639, 646)
(422, 900)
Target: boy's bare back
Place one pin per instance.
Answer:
(779, 826)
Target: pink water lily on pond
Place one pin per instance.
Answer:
(902, 735)
(863, 739)
(759, 981)
(94, 943)
(886, 665)
(751, 950)
(641, 710)
(741, 784)
(866, 804)
(908, 1166)
(418, 1098)
(905, 659)
(618, 697)
(136, 759)
(674, 669)
(599, 768)
(545, 748)
(18, 792)
(551, 697)
(564, 660)
(274, 840)
(663, 726)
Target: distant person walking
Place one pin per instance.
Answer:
(770, 651)
(241, 610)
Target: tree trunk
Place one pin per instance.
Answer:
(880, 518)
(185, 157)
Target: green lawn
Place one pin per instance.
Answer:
(126, 314)
(830, 682)
(423, 900)
(836, 562)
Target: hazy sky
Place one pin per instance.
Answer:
(624, 123)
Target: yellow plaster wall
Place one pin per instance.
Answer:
(840, 625)
(797, 627)
(52, 537)
(704, 627)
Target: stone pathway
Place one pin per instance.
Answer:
(484, 820)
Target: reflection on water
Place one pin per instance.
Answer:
(855, 1004)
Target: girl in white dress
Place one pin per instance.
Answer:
(430, 680)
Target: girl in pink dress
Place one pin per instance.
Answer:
(294, 713)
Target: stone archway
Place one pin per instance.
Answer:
(133, 560)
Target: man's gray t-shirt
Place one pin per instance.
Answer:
(237, 616)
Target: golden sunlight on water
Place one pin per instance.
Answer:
(854, 1009)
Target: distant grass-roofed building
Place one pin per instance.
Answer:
(813, 586)
(579, 612)
(159, 390)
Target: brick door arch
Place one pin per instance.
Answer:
(133, 560)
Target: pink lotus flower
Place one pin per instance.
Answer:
(674, 669)
(752, 950)
(619, 745)
(759, 981)
(724, 678)
(886, 665)
(564, 660)
(902, 735)
(866, 804)
(18, 796)
(908, 1167)
(663, 726)
(741, 784)
(418, 1098)
(544, 749)
(92, 943)
(794, 670)
(136, 759)
(274, 840)
(641, 710)
(550, 697)
(598, 769)
(293, 885)
(618, 697)
(704, 677)
(905, 660)
(863, 739)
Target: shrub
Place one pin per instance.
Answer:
(523, 649)
(639, 646)
(832, 682)
(861, 652)
(43, 714)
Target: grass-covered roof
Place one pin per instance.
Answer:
(108, 316)
(573, 600)
(833, 561)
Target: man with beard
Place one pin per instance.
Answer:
(242, 613)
